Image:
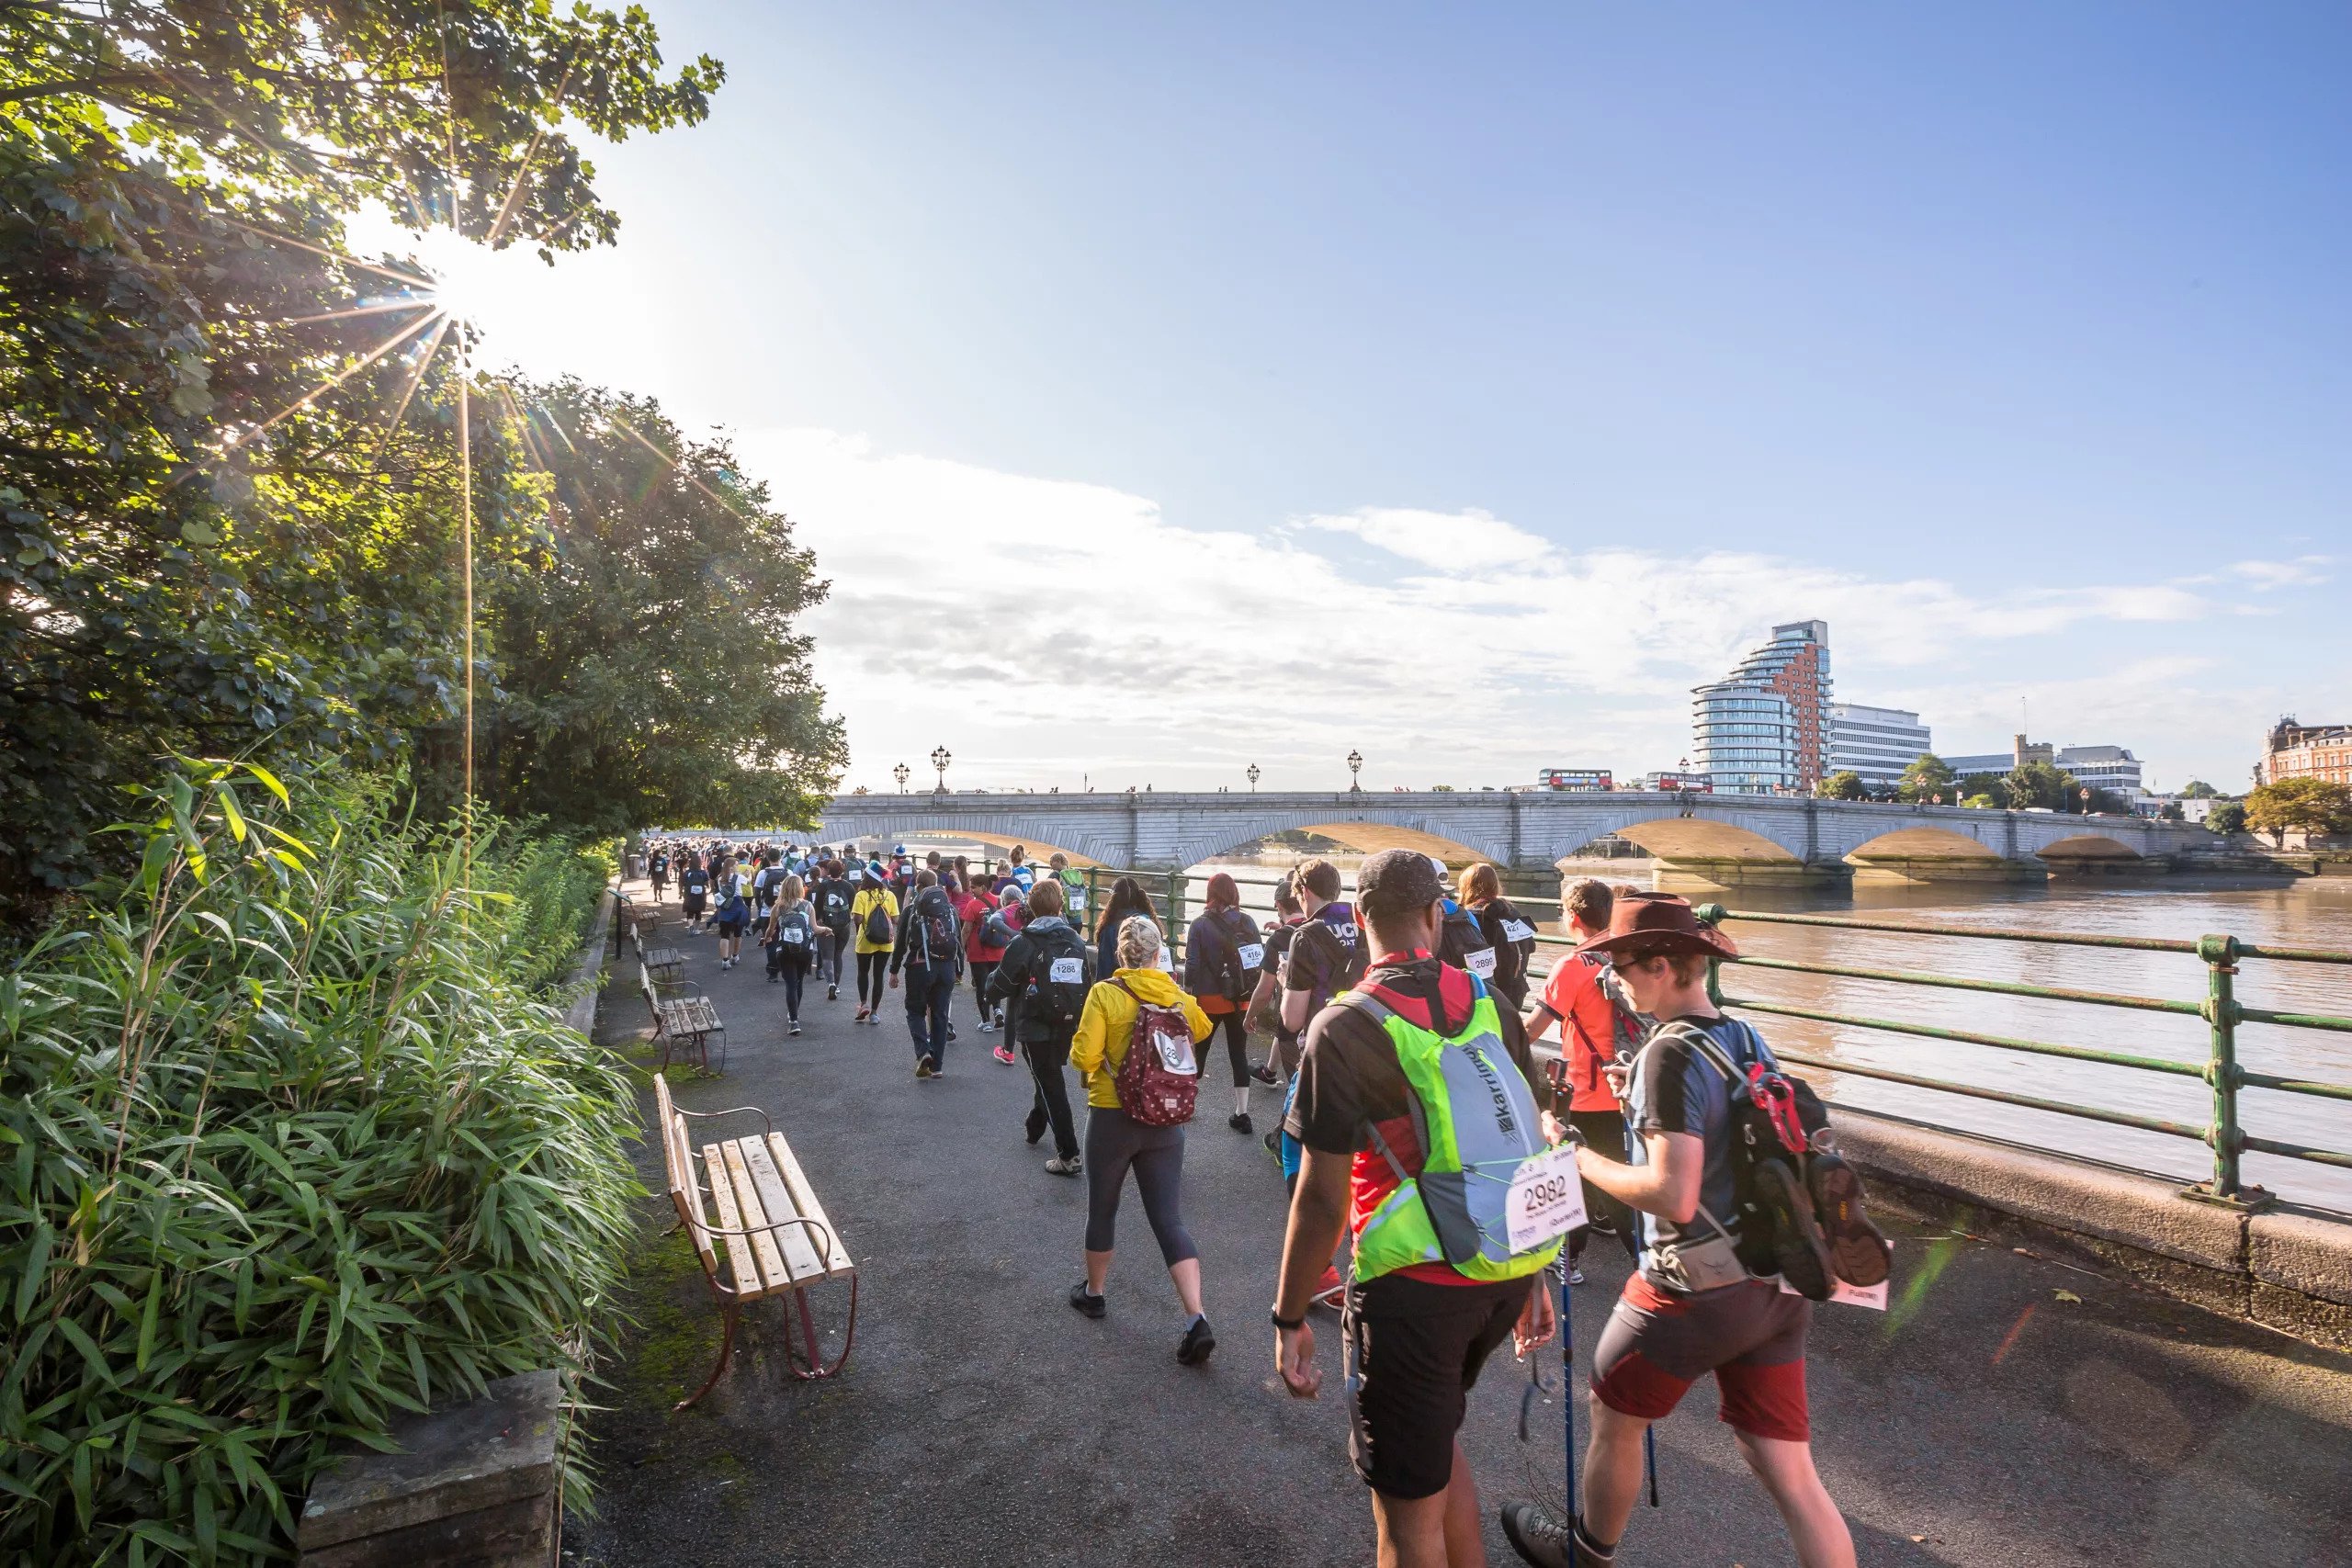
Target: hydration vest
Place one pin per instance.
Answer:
(1477, 1122)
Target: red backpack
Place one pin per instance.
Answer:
(1159, 1079)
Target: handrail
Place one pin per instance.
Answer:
(2223, 1133)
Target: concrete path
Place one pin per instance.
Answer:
(2008, 1411)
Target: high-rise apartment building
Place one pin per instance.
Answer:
(1876, 743)
(1765, 727)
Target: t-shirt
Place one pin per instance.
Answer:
(863, 905)
(1674, 1089)
(1320, 953)
(973, 909)
(1349, 1082)
(1577, 993)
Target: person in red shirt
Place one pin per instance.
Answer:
(1596, 1020)
(974, 905)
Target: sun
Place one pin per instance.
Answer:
(473, 283)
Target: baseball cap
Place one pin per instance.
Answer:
(1398, 882)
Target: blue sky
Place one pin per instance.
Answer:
(1175, 388)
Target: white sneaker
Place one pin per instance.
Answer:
(986, 1027)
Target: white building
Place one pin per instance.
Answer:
(2112, 768)
(1877, 743)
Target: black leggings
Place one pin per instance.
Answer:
(981, 969)
(874, 966)
(1236, 1029)
(1114, 1141)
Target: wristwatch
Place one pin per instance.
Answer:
(1287, 1325)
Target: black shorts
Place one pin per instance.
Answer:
(1414, 1350)
(694, 903)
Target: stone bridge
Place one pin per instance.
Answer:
(1729, 839)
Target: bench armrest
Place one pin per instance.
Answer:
(731, 1111)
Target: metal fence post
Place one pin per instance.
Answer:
(1175, 911)
(1711, 916)
(2221, 1071)
(1090, 897)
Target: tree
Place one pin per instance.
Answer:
(2314, 804)
(2037, 783)
(2197, 789)
(1982, 802)
(646, 657)
(2226, 818)
(212, 540)
(1986, 784)
(1924, 778)
(1844, 784)
(2171, 812)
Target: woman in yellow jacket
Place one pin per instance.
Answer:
(873, 957)
(1116, 1143)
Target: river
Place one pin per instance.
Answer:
(2308, 912)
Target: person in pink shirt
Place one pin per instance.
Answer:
(975, 904)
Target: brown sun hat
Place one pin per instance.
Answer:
(1657, 925)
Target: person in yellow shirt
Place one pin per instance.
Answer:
(873, 953)
(1116, 1143)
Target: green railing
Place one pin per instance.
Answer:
(2224, 1134)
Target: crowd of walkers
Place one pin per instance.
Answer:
(1416, 1135)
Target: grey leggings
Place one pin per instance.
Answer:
(1115, 1142)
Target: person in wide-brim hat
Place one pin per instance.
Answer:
(1657, 925)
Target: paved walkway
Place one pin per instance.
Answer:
(2009, 1411)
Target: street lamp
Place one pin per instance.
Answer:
(1355, 769)
(940, 758)
(899, 773)
(1252, 776)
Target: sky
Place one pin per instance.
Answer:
(1165, 389)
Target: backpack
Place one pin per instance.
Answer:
(1159, 1079)
(996, 930)
(796, 938)
(1777, 1124)
(937, 929)
(1243, 956)
(877, 924)
(1464, 945)
(832, 901)
(1057, 981)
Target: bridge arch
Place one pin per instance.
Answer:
(1923, 844)
(1036, 848)
(1366, 834)
(1700, 839)
(2089, 846)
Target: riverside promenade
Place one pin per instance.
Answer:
(2009, 1410)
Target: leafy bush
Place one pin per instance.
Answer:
(293, 1146)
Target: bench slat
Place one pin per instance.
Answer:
(740, 1260)
(764, 1251)
(804, 1200)
(801, 1263)
(678, 1165)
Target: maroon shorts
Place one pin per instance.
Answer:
(1751, 1337)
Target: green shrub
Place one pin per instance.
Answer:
(288, 1143)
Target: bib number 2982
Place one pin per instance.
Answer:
(1546, 1199)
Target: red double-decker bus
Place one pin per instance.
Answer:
(1577, 781)
(1695, 784)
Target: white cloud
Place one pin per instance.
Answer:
(1047, 632)
(2303, 571)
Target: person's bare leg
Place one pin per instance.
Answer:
(1412, 1530)
(1465, 1528)
(1815, 1525)
(1613, 1472)
(1098, 1269)
(1186, 1274)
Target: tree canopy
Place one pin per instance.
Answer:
(1929, 775)
(1845, 785)
(2306, 804)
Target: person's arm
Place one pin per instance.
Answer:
(900, 948)
(1668, 1185)
(1319, 1213)
(1195, 1015)
(1011, 971)
(1087, 1046)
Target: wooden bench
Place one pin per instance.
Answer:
(688, 1020)
(763, 1212)
(664, 961)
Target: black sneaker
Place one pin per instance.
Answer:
(832, 993)
(1798, 1249)
(1239, 1122)
(1264, 1073)
(1857, 1248)
(1088, 1304)
(1198, 1344)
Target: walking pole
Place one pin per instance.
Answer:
(1649, 1459)
(1569, 1399)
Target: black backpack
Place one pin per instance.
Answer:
(1242, 954)
(1058, 979)
(877, 924)
(936, 927)
(1774, 1120)
(1463, 943)
(832, 901)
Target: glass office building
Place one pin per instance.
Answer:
(1876, 743)
(1764, 729)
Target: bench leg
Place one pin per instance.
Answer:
(817, 1371)
(728, 1312)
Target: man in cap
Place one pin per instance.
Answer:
(1691, 1307)
(1419, 1334)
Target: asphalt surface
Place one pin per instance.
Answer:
(2007, 1410)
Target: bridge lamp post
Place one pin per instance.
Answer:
(899, 773)
(1355, 772)
(940, 758)
(1251, 775)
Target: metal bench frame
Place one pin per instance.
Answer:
(698, 1038)
(686, 1194)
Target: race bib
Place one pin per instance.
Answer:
(795, 936)
(1480, 961)
(1065, 972)
(1518, 931)
(1546, 1199)
(1253, 954)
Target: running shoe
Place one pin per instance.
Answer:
(1540, 1538)
(1264, 1073)
(1239, 1122)
(988, 1026)
(923, 1068)
(1576, 1275)
(1857, 1248)
(1065, 1166)
(832, 993)
(796, 1026)
(861, 1013)
(1003, 1054)
(1798, 1249)
(1088, 1304)
(1198, 1344)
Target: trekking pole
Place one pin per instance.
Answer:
(1649, 1460)
(1568, 1401)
